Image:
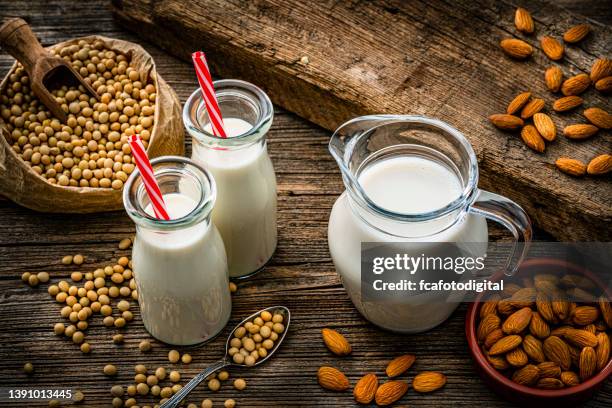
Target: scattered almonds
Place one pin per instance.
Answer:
(552, 48)
(601, 164)
(567, 103)
(601, 68)
(596, 116)
(553, 78)
(518, 102)
(336, 342)
(575, 85)
(571, 166)
(523, 21)
(579, 131)
(515, 48)
(576, 33)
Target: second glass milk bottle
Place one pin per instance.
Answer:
(245, 213)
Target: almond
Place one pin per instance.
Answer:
(487, 325)
(603, 350)
(399, 364)
(493, 337)
(515, 48)
(533, 348)
(567, 103)
(498, 362)
(490, 306)
(601, 164)
(599, 118)
(365, 389)
(332, 379)
(561, 308)
(575, 85)
(581, 295)
(517, 357)
(580, 131)
(504, 307)
(604, 304)
(588, 363)
(580, 338)
(532, 138)
(604, 84)
(553, 78)
(518, 102)
(428, 381)
(517, 321)
(583, 315)
(549, 384)
(576, 33)
(560, 331)
(552, 48)
(545, 308)
(556, 350)
(545, 286)
(570, 378)
(524, 297)
(601, 68)
(549, 369)
(591, 328)
(575, 355)
(390, 392)
(505, 344)
(506, 122)
(335, 342)
(572, 167)
(545, 126)
(534, 106)
(527, 375)
(538, 327)
(523, 21)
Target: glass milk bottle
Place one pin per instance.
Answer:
(411, 180)
(180, 264)
(245, 212)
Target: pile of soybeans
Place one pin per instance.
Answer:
(91, 149)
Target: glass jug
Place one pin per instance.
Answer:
(444, 205)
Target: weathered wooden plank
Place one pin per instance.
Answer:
(437, 58)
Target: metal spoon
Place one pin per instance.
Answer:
(227, 361)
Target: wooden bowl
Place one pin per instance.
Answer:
(21, 184)
(521, 394)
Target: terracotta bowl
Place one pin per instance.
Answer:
(530, 396)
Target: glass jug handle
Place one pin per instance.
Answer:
(510, 215)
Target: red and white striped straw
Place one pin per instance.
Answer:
(142, 161)
(208, 92)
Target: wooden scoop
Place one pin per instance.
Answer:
(44, 69)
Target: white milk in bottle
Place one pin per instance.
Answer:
(181, 270)
(245, 213)
(402, 184)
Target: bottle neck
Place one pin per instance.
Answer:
(188, 190)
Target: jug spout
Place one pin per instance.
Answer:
(350, 134)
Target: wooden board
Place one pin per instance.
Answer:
(300, 276)
(436, 58)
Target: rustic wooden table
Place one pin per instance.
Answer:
(300, 276)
